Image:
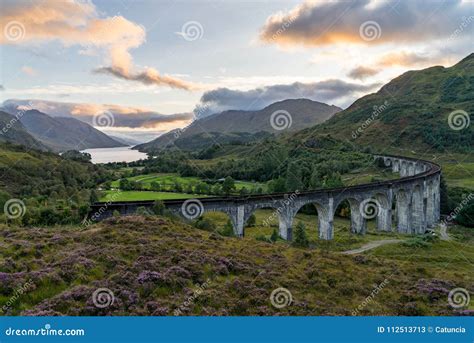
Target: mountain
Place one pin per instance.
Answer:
(12, 131)
(61, 133)
(301, 113)
(420, 110)
(125, 140)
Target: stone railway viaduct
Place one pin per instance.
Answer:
(410, 204)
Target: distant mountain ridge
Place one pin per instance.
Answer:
(241, 125)
(63, 133)
(35, 129)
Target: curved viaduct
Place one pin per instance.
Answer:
(410, 204)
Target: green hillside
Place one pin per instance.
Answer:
(411, 112)
(12, 131)
(53, 189)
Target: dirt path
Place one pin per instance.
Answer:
(371, 245)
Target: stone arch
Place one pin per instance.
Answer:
(228, 214)
(396, 166)
(430, 203)
(403, 211)
(403, 168)
(411, 169)
(358, 222)
(417, 210)
(325, 217)
(384, 214)
(278, 212)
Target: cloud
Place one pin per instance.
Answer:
(327, 91)
(149, 77)
(362, 72)
(2, 88)
(317, 23)
(404, 58)
(29, 71)
(123, 116)
(79, 23)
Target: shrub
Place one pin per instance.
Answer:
(301, 239)
(263, 238)
(158, 207)
(275, 236)
(466, 215)
(204, 224)
(251, 221)
(142, 211)
(228, 230)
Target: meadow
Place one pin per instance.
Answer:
(153, 264)
(168, 180)
(116, 195)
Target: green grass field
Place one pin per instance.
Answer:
(459, 174)
(145, 195)
(167, 180)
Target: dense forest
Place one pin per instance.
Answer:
(47, 188)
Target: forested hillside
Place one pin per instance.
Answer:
(48, 188)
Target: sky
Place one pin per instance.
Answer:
(143, 67)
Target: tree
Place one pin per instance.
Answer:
(293, 177)
(333, 180)
(158, 207)
(301, 239)
(177, 187)
(252, 220)
(228, 185)
(228, 229)
(466, 215)
(274, 237)
(125, 185)
(155, 186)
(444, 200)
(75, 155)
